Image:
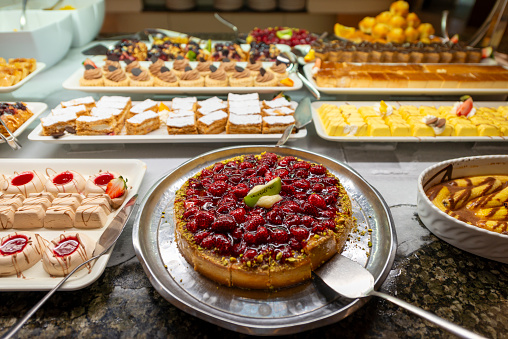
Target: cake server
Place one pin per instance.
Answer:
(303, 116)
(105, 242)
(351, 280)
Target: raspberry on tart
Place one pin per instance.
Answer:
(231, 237)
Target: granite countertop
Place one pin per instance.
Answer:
(463, 288)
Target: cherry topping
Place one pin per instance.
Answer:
(63, 178)
(103, 179)
(66, 247)
(22, 178)
(14, 244)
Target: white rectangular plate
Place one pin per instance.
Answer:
(72, 83)
(37, 108)
(38, 68)
(36, 278)
(321, 130)
(401, 91)
(158, 136)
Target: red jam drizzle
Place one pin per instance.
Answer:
(103, 179)
(66, 247)
(22, 179)
(14, 244)
(63, 178)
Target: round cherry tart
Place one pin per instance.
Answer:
(261, 221)
(66, 252)
(19, 251)
(24, 183)
(65, 182)
(110, 183)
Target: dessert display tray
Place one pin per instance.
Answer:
(72, 83)
(321, 130)
(37, 109)
(401, 91)
(36, 278)
(277, 312)
(39, 67)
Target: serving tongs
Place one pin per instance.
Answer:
(303, 117)
(230, 25)
(11, 139)
(289, 59)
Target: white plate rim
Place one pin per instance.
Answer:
(37, 109)
(38, 68)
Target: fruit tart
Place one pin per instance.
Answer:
(261, 221)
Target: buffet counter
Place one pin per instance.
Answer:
(463, 288)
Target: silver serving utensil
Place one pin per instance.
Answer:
(11, 139)
(105, 242)
(444, 26)
(289, 60)
(22, 19)
(230, 25)
(303, 116)
(352, 280)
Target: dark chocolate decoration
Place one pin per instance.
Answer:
(238, 69)
(70, 130)
(113, 57)
(154, 59)
(89, 67)
(225, 52)
(278, 62)
(128, 61)
(201, 59)
(252, 60)
(226, 60)
(164, 69)
(213, 68)
(136, 71)
(262, 71)
(112, 68)
(179, 57)
(188, 68)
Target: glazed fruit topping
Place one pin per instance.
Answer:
(103, 179)
(66, 247)
(14, 244)
(221, 220)
(63, 178)
(116, 187)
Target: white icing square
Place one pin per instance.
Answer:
(245, 119)
(180, 121)
(212, 117)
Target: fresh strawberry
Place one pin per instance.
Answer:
(262, 235)
(198, 238)
(250, 254)
(330, 181)
(116, 187)
(190, 212)
(220, 177)
(275, 216)
(288, 189)
(300, 233)
(191, 226)
(241, 190)
(286, 161)
(208, 242)
(224, 223)
(295, 244)
(218, 188)
(226, 208)
(301, 174)
(218, 167)
(291, 207)
(204, 219)
(330, 199)
(318, 169)
(239, 248)
(302, 184)
(318, 227)
(89, 62)
(317, 200)
(465, 107)
(292, 220)
(245, 165)
(301, 165)
(279, 236)
(262, 170)
(239, 215)
(281, 172)
(318, 187)
(237, 233)
(249, 238)
(310, 209)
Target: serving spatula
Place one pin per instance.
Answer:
(351, 280)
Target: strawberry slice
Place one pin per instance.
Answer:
(89, 62)
(116, 187)
(465, 107)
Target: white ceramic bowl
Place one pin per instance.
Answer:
(469, 238)
(47, 37)
(87, 19)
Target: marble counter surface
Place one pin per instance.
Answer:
(460, 287)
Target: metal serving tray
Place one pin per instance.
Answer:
(276, 312)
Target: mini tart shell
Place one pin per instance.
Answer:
(241, 82)
(61, 266)
(161, 83)
(271, 83)
(215, 83)
(93, 82)
(147, 83)
(76, 185)
(18, 262)
(193, 83)
(123, 83)
(279, 76)
(275, 275)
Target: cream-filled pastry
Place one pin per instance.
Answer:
(98, 183)
(19, 251)
(66, 252)
(24, 183)
(65, 182)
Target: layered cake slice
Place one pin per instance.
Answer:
(147, 105)
(57, 124)
(244, 124)
(278, 111)
(95, 125)
(207, 108)
(78, 110)
(118, 115)
(213, 123)
(88, 101)
(178, 124)
(187, 103)
(143, 123)
(276, 103)
(277, 124)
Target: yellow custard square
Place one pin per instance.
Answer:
(422, 130)
(428, 110)
(400, 130)
(366, 111)
(447, 132)
(465, 130)
(488, 130)
(378, 130)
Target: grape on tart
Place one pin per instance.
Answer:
(19, 251)
(261, 221)
(66, 252)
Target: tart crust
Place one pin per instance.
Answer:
(229, 270)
